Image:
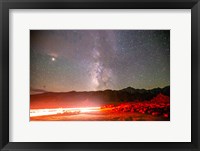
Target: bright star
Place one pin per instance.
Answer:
(53, 59)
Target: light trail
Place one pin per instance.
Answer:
(42, 112)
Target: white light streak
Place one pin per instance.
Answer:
(42, 112)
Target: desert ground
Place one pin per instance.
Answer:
(158, 109)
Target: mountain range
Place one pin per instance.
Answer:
(93, 98)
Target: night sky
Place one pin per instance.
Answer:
(90, 60)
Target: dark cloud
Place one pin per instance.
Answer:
(37, 91)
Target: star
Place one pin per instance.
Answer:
(53, 59)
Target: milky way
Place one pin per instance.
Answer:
(89, 60)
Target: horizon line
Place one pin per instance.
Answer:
(41, 91)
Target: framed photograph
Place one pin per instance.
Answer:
(99, 75)
(94, 72)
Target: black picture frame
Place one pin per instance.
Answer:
(5, 5)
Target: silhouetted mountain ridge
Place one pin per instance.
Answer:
(94, 98)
